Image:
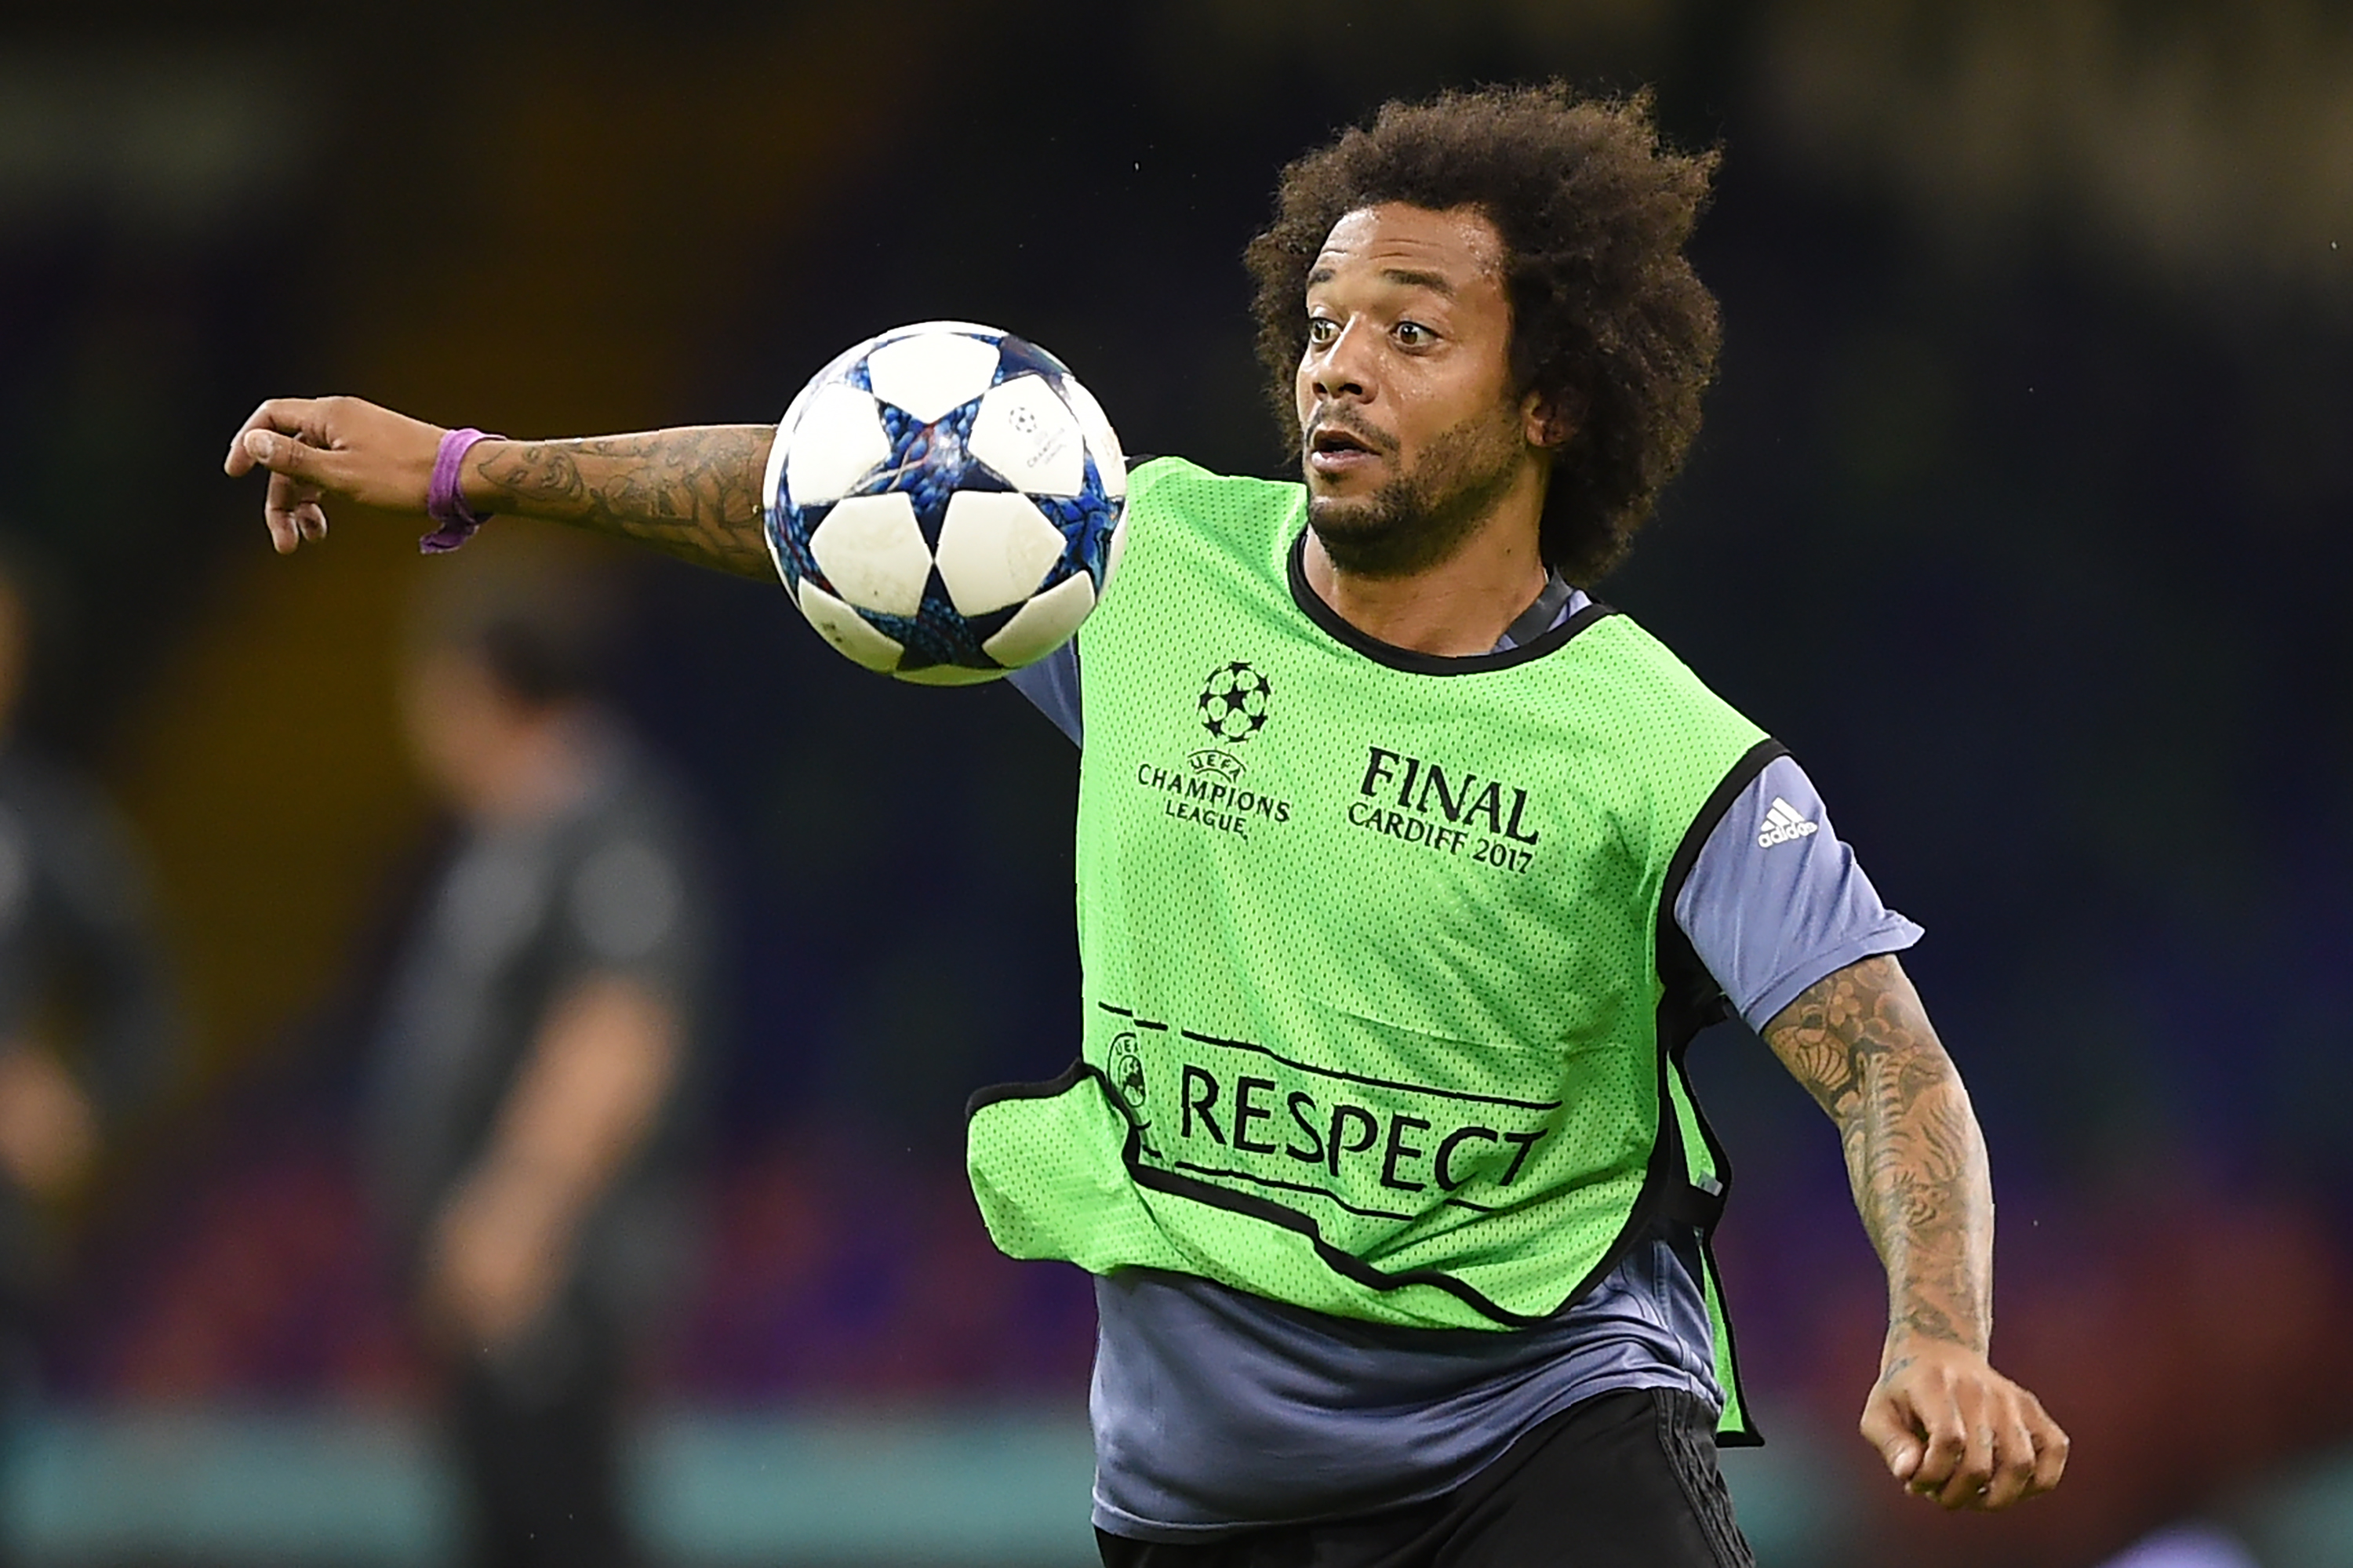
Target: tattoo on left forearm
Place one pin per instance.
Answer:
(693, 492)
(1861, 1045)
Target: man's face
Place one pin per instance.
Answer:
(1410, 429)
(461, 726)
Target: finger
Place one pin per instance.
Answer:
(1973, 1472)
(295, 458)
(1887, 1427)
(311, 521)
(284, 534)
(293, 416)
(2013, 1458)
(286, 492)
(1945, 1439)
(281, 511)
(2050, 1447)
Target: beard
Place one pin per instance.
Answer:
(1422, 517)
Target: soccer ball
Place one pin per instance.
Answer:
(944, 503)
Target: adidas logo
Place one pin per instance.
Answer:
(1782, 824)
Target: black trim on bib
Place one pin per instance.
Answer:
(1746, 1436)
(1059, 1084)
(1328, 620)
(1679, 966)
(1690, 1000)
(1340, 1262)
(1298, 1067)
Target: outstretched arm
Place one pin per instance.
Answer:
(693, 492)
(1947, 1424)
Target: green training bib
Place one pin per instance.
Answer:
(1384, 1004)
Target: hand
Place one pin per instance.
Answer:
(47, 1134)
(1952, 1428)
(495, 1259)
(318, 447)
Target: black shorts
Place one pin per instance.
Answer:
(1623, 1480)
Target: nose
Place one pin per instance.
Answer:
(1341, 369)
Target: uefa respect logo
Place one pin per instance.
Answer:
(1126, 1075)
(1127, 1069)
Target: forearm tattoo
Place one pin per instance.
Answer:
(1860, 1042)
(692, 493)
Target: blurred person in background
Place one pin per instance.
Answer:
(527, 1106)
(87, 1015)
(87, 1019)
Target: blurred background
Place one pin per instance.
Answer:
(2020, 514)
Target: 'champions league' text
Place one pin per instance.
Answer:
(1225, 807)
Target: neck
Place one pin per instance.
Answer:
(1459, 607)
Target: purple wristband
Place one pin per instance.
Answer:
(444, 502)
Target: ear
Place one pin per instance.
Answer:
(1545, 421)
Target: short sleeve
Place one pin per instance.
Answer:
(1775, 900)
(626, 904)
(1052, 685)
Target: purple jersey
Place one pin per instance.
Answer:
(1215, 1410)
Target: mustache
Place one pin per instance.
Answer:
(1338, 417)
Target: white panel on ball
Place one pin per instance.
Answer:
(995, 548)
(931, 374)
(1111, 463)
(870, 550)
(913, 329)
(838, 442)
(1028, 435)
(947, 675)
(1044, 624)
(847, 630)
(785, 426)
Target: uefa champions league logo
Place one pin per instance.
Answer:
(1234, 707)
(1233, 702)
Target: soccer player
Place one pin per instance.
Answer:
(1407, 870)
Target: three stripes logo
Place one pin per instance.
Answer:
(1782, 825)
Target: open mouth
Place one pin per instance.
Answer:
(1332, 438)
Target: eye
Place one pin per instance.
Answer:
(1413, 334)
(1322, 331)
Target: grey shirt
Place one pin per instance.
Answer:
(519, 914)
(1216, 1411)
(75, 939)
(74, 919)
